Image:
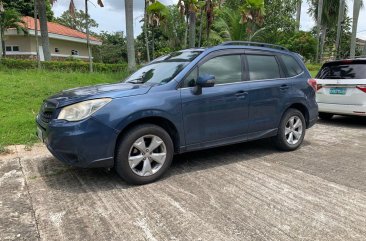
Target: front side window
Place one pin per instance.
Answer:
(263, 67)
(226, 69)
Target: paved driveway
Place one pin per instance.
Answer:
(248, 191)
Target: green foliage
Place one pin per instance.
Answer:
(11, 18)
(303, 43)
(78, 22)
(26, 7)
(22, 92)
(113, 50)
(63, 66)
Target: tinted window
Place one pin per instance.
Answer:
(226, 69)
(263, 67)
(293, 68)
(340, 70)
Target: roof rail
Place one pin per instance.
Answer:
(247, 43)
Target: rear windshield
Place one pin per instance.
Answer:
(343, 70)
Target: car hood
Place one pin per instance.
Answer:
(118, 90)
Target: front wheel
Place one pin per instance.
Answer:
(291, 131)
(144, 154)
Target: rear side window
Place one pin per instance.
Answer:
(292, 66)
(339, 70)
(263, 67)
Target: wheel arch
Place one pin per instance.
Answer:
(303, 109)
(162, 122)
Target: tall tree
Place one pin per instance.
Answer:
(298, 14)
(356, 13)
(10, 18)
(76, 21)
(158, 13)
(130, 37)
(340, 21)
(41, 4)
(26, 7)
(145, 31)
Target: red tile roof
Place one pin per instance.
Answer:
(59, 29)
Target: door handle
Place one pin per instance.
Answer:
(284, 87)
(241, 94)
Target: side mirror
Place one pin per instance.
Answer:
(206, 81)
(203, 81)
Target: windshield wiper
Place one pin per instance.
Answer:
(136, 81)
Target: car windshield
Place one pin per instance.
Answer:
(343, 70)
(163, 69)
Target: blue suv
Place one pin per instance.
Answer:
(185, 101)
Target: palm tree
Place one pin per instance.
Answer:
(44, 28)
(298, 14)
(145, 30)
(341, 14)
(129, 34)
(158, 12)
(10, 19)
(356, 13)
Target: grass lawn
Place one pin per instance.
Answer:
(22, 93)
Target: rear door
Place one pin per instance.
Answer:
(342, 82)
(267, 90)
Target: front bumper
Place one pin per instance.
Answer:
(87, 143)
(359, 110)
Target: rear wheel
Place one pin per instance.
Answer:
(291, 131)
(144, 154)
(325, 116)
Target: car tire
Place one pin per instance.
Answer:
(325, 116)
(292, 124)
(140, 154)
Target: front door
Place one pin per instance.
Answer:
(219, 113)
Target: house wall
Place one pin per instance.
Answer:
(27, 47)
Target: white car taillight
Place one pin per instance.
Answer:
(361, 87)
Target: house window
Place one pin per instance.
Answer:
(74, 52)
(12, 48)
(57, 50)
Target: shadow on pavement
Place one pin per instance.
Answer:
(346, 121)
(61, 177)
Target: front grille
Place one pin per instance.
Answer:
(46, 117)
(46, 112)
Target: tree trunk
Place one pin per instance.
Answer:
(339, 25)
(186, 34)
(153, 42)
(36, 33)
(192, 29)
(146, 36)
(318, 24)
(44, 29)
(200, 33)
(88, 37)
(356, 13)
(322, 42)
(129, 34)
(3, 43)
(298, 14)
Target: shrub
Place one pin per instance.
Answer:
(63, 66)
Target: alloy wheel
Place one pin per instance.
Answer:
(293, 130)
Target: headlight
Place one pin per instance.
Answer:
(82, 110)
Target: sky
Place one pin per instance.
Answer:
(111, 18)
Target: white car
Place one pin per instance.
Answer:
(341, 88)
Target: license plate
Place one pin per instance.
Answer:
(40, 134)
(337, 91)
